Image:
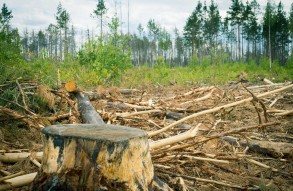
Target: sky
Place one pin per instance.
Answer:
(38, 14)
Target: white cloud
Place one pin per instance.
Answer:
(38, 14)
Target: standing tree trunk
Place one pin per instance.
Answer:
(60, 50)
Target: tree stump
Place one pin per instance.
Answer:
(96, 157)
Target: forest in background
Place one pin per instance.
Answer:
(247, 39)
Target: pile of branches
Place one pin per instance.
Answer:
(36, 106)
(204, 138)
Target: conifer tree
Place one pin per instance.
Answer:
(99, 12)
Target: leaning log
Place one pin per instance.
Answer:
(96, 157)
(88, 112)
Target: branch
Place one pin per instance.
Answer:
(174, 139)
(218, 135)
(202, 180)
(153, 133)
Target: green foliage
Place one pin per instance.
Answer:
(205, 73)
(108, 61)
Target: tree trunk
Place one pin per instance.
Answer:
(60, 51)
(87, 111)
(96, 157)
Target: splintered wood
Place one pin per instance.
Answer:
(200, 138)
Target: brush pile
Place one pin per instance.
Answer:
(201, 138)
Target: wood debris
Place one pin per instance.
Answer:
(190, 131)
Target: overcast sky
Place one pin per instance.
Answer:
(38, 14)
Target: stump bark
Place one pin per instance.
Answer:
(96, 157)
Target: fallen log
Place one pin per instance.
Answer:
(96, 157)
(87, 111)
(274, 149)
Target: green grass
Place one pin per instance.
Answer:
(205, 74)
(45, 72)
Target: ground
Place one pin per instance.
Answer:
(189, 168)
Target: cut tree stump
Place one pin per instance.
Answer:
(96, 157)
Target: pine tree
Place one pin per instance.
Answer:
(282, 34)
(5, 18)
(269, 31)
(193, 27)
(236, 17)
(179, 46)
(62, 18)
(100, 11)
(291, 26)
(213, 24)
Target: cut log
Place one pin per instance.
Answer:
(96, 157)
(87, 111)
(70, 86)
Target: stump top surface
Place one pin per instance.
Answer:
(94, 132)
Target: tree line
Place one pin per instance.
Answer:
(246, 33)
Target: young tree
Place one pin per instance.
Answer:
(164, 42)
(5, 18)
(99, 12)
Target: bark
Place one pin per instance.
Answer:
(87, 111)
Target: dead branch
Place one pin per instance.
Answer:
(268, 82)
(125, 115)
(18, 105)
(18, 181)
(15, 157)
(202, 180)
(206, 159)
(198, 99)
(29, 120)
(218, 135)
(261, 164)
(262, 105)
(153, 133)
(174, 139)
(285, 113)
(12, 176)
(22, 95)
